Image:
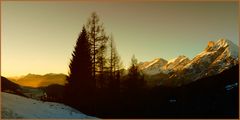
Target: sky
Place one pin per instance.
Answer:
(39, 37)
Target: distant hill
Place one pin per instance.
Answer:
(10, 87)
(34, 80)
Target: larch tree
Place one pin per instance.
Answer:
(114, 65)
(98, 40)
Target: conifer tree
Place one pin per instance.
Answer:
(98, 40)
(115, 65)
(80, 89)
(135, 77)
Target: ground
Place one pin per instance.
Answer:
(14, 106)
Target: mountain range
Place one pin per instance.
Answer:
(34, 80)
(214, 59)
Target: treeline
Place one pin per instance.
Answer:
(95, 71)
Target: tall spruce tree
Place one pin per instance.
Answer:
(80, 89)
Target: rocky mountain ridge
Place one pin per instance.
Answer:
(215, 58)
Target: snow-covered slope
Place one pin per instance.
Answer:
(216, 51)
(160, 65)
(177, 63)
(217, 57)
(14, 106)
(153, 67)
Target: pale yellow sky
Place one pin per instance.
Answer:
(38, 37)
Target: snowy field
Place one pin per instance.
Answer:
(14, 106)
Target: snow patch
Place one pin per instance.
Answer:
(14, 106)
(231, 86)
(153, 62)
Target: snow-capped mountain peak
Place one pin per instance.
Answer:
(223, 42)
(158, 61)
(153, 67)
(160, 65)
(153, 62)
(217, 57)
(177, 63)
(178, 59)
(230, 48)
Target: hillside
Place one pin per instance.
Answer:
(14, 106)
(11, 87)
(7, 85)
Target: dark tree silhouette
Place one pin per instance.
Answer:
(135, 80)
(80, 90)
(101, 65)
(98, 40)
(114, 66)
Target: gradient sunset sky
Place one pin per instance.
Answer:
(39, 37)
